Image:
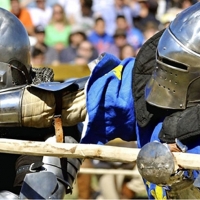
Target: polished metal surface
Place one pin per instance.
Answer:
(10, 108)
(5, 76)
(14, 43)
(55, 176)
(175, 81)
(180, 145)
(4, 194)
(42, 185)
(155, 163)
(197, 182)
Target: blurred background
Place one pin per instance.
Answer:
(66, 35)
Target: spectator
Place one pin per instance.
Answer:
(58, 30)
(72, 9)
(127, 51)
(37, 58)
(50, 54)
(114, 8)
(134, 36)
(123, 9)
(186, 3)
(99, 38)
(85, 51)
(23, 15)
(150, 29)
(40, 14)
(120, 37)
(120, 40)
(135, 7)
(101, 9)
(39, 37)
(86, 20)
(147, 14)
(75, 38)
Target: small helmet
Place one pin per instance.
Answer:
(14, 51)
(175, 82)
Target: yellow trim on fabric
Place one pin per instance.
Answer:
(118, 71)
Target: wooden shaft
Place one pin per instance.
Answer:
(99, 152)
(109, 171)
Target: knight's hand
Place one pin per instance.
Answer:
(178, 146)
(174, 148)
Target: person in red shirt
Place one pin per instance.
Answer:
(23, 15)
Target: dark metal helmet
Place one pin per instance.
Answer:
(175, 82)
(14, 51)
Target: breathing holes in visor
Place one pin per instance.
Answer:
(172, 63)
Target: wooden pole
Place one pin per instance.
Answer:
(99, 152)
(126, 172)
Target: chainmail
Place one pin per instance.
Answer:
(44, 74)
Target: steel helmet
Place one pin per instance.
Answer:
(175, 82)
(14, 51)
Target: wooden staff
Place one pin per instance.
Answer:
(99, 152)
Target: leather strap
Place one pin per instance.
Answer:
(57, 117)
(58, 129)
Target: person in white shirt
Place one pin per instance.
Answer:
(41, 13)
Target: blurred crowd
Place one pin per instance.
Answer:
(77, 31)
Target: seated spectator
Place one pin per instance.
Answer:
(127, 51)
(85, 19)
(122, 8)
(58, 30)
(147, 14)
(23, 15)
(72, 9)
(39, 36)
(68, 54)
(40, 14)
(120, 40)
(85, 51)
(37, 58)
(135, 7)
(109, 10)
(99, 38)
(150, 29)
(134, 36)
(50, 54)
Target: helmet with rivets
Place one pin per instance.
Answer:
(176, 79)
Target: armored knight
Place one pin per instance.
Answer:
(28, 109)
(162, 110)
(170, 101)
